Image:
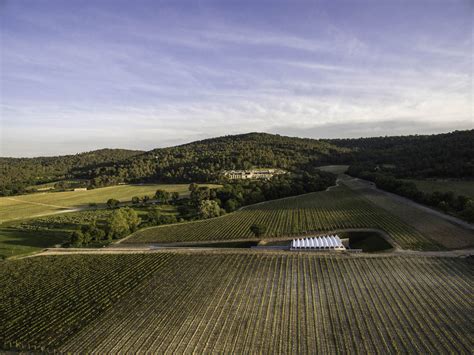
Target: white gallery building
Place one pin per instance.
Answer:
(326, 242)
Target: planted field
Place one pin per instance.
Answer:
(237, 303)
(339, 208)
(424, 220)
(26, 206)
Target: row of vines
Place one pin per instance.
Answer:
(45, 300)
(339, 208)
(289, 303)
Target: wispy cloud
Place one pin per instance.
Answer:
(140, 77)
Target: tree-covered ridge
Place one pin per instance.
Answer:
(440, 155)
(16, 174)
(204, 160)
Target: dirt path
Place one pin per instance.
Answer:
(208, 250)
(35, 203)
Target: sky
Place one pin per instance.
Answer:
(82, 75)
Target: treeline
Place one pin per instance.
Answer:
(449, 155)
(448, 202)
(122, 222)
(18, 174)
(203, 203)
(203, 161)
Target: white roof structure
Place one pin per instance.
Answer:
(327, 242)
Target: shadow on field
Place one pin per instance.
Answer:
(31, 238)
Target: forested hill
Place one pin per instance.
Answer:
(449, 155)
(442, 155)
(204, 160)
(16, 174)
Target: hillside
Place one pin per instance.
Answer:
(442, 155)
(16, 174)
(448, 154)
(423, 156)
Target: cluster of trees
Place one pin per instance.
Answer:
(460, 205)
(122, 222)
(204, 161)
(449, 155)
(442, 155)
(18, 174)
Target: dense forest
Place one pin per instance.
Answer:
(17, 174)
(443, 155)
(449, 155)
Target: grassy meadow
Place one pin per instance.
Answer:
(43, 203)
(37, 221)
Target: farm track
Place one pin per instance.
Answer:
(239, 302)
(143, 249)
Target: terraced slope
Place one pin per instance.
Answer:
(338, 208)
(238, 302)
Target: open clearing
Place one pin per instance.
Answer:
(431, 223)
(465, 188)
(26, 206)
(339, 208)
(237, 302)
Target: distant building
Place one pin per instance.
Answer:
(80, 189)
(252, 174)
(327, 242)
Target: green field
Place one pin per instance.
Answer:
(26, 206)
(339, 208)
(237, 303)
(465, 188)
(21, 237)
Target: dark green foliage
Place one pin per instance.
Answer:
(122, 222)
(258, 229)
(112, 203)
(209, 209)
(442, 155)
(445, 201)
(16, 174)
(162, 196)
(204, 161)
(77, 239)
(156, 218)
(175, 197)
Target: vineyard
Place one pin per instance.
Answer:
(338, 208)
(237, 302)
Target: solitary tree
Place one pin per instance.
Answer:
(112, 203)
(258, 229)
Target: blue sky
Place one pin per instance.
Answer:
(81, 75)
